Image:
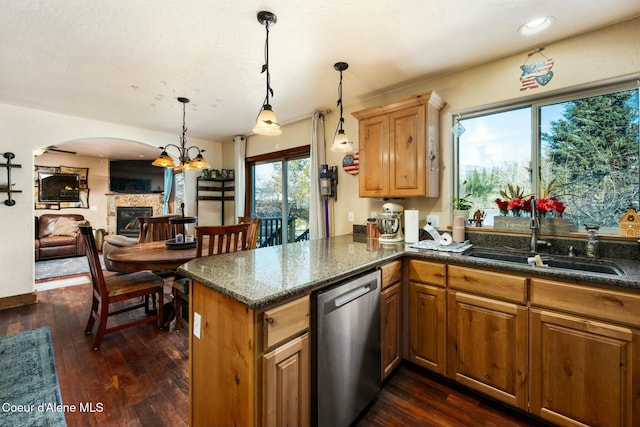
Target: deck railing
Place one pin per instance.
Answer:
(270, 232)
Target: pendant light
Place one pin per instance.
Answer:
(266, 123)
(165, 161)
(340, 141)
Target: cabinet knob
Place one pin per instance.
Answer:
(270, 320)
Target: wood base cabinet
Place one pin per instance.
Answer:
(585, 355)
(427, 304)
(487, 336)
(286, 384)
(390, 317)
(248, 367)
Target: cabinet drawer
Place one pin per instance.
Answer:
(391, 273)
(427, 272)
(498, 285)
(587, 300)
(285, 321)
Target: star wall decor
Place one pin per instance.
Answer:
(536, 73)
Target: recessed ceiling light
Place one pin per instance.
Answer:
(536, 25)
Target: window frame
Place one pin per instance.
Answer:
(535, 103)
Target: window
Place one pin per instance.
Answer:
(583, 148)
(280, 192)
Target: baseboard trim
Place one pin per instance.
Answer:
(18, 300)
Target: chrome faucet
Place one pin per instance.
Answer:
(535, 227)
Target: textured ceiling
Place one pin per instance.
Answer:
(126, 61)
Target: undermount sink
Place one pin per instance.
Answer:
(595, 266)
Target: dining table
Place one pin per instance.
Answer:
(155, 256)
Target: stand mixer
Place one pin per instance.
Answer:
(390, 223)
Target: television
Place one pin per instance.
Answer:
(58, 187)
(135, 177)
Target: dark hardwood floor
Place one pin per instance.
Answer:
(140, 375)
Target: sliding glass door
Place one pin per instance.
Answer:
(280, 197)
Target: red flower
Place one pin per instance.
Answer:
(503, 205)
(516, 203)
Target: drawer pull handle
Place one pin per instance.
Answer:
(270, 320)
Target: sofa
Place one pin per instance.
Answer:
(57, 236)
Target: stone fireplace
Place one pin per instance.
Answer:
(153, 203)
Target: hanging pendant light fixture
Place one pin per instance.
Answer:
(340, 141)
(266, 123)
(185, 162)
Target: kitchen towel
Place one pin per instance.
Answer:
(411, 225)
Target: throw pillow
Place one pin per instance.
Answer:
(66, 227)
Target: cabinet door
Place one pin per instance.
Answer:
(390, 316)
(407, 152)
(286, 373)
(581, 370)
(427, 342)
(374, 156)
(488, 346)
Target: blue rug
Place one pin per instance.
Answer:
(29, 389)
(51, 268)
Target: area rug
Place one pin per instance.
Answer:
(50, 268)
(29, 389)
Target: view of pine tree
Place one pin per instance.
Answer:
(592, 153)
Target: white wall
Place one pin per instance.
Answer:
(24, 130)
(602, 55)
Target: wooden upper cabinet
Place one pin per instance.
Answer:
(375, 154)
(399, 147)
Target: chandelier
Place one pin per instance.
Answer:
(266, 123)
(340, 141)
(185, 162)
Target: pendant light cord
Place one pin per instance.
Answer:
(341, 120)
(265, 67)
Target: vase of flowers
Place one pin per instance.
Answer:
(514, 204)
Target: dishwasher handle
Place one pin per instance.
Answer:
(351, 295)
(344, 299)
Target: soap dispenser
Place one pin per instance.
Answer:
(592, 240)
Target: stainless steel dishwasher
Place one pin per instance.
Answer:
(346, 349)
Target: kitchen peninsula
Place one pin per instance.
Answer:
(250, 364)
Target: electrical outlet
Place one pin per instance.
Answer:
(197, 322)
(433, 220)
(350, 217)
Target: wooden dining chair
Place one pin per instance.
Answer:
(157, 228)
(252, 235)
(211, 240)
(114, 289)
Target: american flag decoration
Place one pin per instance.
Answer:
(351, 163)
(537, 73)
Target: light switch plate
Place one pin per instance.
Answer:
(197, 322)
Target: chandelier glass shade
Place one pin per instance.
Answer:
(340, 141)
(266, 122)
(184, 161)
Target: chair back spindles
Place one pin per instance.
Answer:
(222, 239)
(252, 235)
(157, 228)
(93, 258)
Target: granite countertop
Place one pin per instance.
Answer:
(268, 275)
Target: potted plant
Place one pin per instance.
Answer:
(461, 207)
